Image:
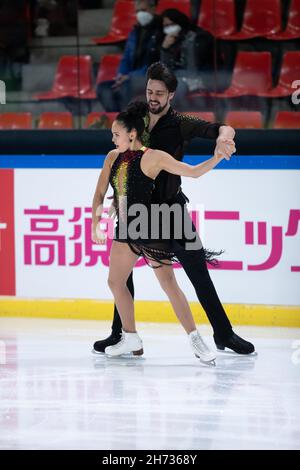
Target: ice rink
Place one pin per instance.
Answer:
(55, 394)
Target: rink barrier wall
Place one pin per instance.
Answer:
(146, 311)
(95, 142)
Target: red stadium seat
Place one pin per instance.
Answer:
(15, 121)
(292, 30)
(92, 118)
(108, 67)
(252, 75)
(218, 17)
(123, 20)
(287, 120)
(73, 78)
(56, 121)
(244, 119)
(205, 115)
(181, 5)
(290, 72)
(261, 18)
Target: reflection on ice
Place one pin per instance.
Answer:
(54, 394)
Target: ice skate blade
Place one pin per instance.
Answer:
(233, 353)
(208, 363)
(131, 354)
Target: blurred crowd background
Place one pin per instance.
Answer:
(73, 64)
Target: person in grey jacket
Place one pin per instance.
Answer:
(141, 50)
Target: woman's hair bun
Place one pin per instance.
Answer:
(138, 109)
(133, 117)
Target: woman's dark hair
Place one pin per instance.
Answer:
(159, 71)
(133, 117)
(178, 17)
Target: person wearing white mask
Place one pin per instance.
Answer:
(141, 49)
(189, 52)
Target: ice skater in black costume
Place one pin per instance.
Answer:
(168, 130)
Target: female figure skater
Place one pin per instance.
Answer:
(131, 170)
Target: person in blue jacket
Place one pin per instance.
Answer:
(141, 50)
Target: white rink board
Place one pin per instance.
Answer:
(265, 196)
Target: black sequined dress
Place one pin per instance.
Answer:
(132, 198)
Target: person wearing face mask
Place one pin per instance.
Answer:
(141, 50)
(189, 51)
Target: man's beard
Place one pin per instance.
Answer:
(159, 109)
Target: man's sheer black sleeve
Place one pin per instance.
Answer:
(194, 127)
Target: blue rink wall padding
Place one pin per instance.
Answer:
(244, 162)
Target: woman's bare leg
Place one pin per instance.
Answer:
(122, 261)
(167, 280)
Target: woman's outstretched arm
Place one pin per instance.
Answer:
(168, 163)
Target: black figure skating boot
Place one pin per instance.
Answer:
(99, 346)
(236, 343)
(114, 338)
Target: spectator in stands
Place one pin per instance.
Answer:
(190, 52)
(141, 50)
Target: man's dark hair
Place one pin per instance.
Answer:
(159, 71)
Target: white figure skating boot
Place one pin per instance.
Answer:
(129, 343)
(200, 349)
